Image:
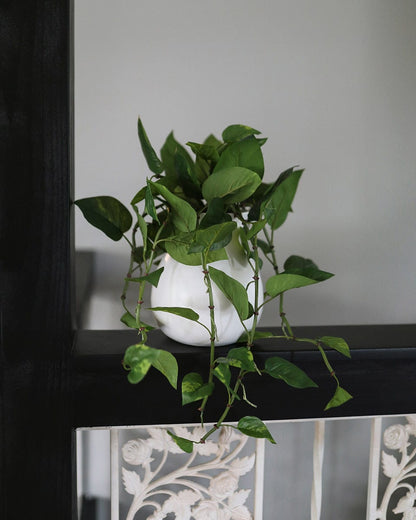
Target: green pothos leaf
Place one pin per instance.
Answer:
(254, 427)
(338, 344)
(178, 249)
(291, 374)
(152, 159)
(222, 373)
(129, 320)
(232, 289)
(240, 357)
(213, 238)
(168, 366)
(238, 132)
(194, 388)
(139, 358)
(340, 397)
(107, 214)
(150, 203)
(153, 277)
(184, 312)
(184, 444)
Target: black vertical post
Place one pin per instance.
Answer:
(36, 470)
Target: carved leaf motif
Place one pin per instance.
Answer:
(131, 481)
(243, 465)
(181, 503)
(411, 427)
(390, 465)
(189, 497)
(241, 513)
(239, 498)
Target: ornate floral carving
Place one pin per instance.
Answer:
(400, 468)
(204, 487)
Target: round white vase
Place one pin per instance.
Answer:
(183, 286)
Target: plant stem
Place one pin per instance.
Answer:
(224, 414)
(269, 240)
(213, 331)
(252, 333)
(142, 285)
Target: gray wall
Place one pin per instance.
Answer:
(331, 83)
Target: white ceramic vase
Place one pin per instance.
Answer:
(183, 286)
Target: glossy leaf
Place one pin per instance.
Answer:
(279, 204)
(256, 228)
(232, 289)
(254, 427)
(215, 214)
(184, 312)
(233, 184)
(238, 132)
(241, 357)
(245, 153)
(211, 140)
(264, 246)
(206, 151)
(299, 272)
(184, 215)
(222, 373)
(186, 175)
(184, 444)
(150, 203)
(168, 366)
(168, 152)
(213, 238)
(153, 162)
(178, 249)
(194, 388)
(140, 195)
(340, 397)
(244, 242)
(153, 277)
(282, 282)
(280, 368)
(139, 358)
(305, 267)
(107, 214)
(338, 344)
(129, 320)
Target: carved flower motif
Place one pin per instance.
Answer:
(137, 452)
(207, 510)
(223, 485)
(395, 437)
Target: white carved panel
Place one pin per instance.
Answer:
(162, 482)
(398, 465)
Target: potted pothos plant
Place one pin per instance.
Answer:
(196, 203)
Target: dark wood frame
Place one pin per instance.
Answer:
(53, 380)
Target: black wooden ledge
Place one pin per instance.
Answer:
(381, 376)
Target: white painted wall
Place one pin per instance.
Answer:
(331, 83)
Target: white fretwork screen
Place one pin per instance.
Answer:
(341, 468)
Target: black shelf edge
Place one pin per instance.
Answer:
(381, 376)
